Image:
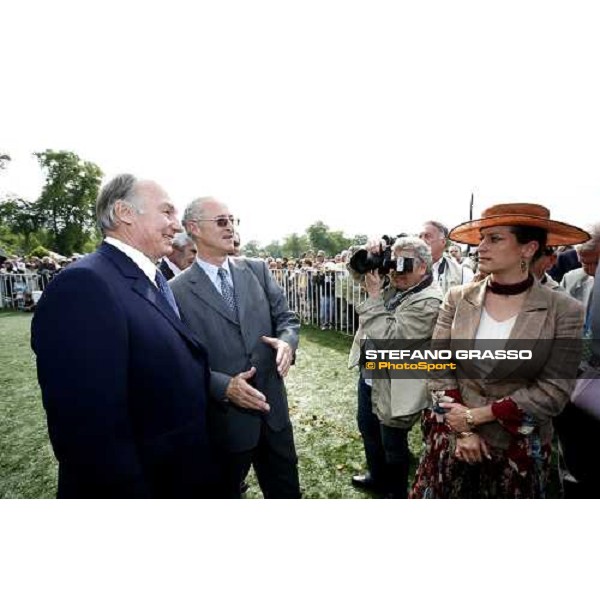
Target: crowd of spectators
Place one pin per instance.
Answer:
(23, 278)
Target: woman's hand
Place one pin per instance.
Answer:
(471, 449)
(456, 416)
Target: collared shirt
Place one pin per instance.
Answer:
(139, 258)
(467, 274)
(435, 269)
(176, 270)
(213, 273)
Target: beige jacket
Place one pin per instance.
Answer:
(398, 402)
(532, 385)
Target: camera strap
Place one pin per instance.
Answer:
(400, 296)
(442, 267)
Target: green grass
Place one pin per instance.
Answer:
(322, 396)
(27, 465)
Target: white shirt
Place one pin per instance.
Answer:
(139, 258)
(490, 329)
(213, 273)
(467, 274)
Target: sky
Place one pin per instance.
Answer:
(371, 117)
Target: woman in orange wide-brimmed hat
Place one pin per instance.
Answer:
(489, 432)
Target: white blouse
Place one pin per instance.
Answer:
(490, 329)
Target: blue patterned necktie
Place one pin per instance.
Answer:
(227, 291)
(165, 290)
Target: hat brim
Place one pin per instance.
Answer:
(559, 233)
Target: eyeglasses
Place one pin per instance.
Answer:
(220, 221)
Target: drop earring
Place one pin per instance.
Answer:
(523, 265)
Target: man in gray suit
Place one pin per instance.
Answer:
(242, 317)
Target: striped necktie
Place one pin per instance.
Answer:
(227, 291)
(165, 290)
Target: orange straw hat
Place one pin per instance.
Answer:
(525, 214)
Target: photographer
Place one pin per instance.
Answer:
(407, 309)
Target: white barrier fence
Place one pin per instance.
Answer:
(21, 291)
(323, 298)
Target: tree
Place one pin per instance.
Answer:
(20, 221)
(359, 239)
(251, 249)
(338, 242)
(321, 238)
(318, 236)
(294, 245)
(66, 207)
(274, 249)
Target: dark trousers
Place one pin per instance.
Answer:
(386, 448)
(275, 464)
(578, 433)
(397, 456)
(370, 431)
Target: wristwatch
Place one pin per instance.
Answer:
(469, 419)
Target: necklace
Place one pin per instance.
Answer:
(510, 289)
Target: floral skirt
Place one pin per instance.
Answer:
(521, 471)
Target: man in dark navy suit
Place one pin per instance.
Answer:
(124, 382)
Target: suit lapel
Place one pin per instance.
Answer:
(149, 293)
(203, 288)
(245, 279)
(470, 313)
(141, 285)
(528, 326)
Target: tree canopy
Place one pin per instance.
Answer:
(66, 206)
(317, 237)
(63, 217)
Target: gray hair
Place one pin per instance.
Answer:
(594, 242)
(122, 187)
(417, 247)
(439, 226)
(195, 209)
(181, 240)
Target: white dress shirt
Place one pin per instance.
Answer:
(213, 273)
(139, 258)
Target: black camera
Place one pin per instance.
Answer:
(363, 261)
